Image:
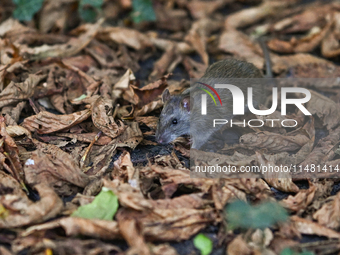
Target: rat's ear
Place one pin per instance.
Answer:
(185, 103)
(165, 96)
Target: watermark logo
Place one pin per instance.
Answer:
(239, 102)
(204, 97)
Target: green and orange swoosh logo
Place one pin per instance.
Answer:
(208, 86)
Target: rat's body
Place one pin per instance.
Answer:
(181, 110)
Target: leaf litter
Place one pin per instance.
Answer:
(79, 109)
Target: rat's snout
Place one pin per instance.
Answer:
(161, 139)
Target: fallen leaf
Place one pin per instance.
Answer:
(20, 211)
(78, 226)
(301, 200)
(280, 180)
(71, 48)
(308, 227)
(46, 122)
(55, 168)
(15, 92)
(103, 207)
(102, 110)
(328, 214)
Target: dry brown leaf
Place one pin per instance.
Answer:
(304, 44)
(150, 121)
(162, 249)
(192, 201)
(100, 158)
(194, 69)
(307, 148)
(308, 227)
(301, 200)
(72, 245)
(132, 233)
(221, 194)
(20, 211)
(129, 197)
(250, 16)
(330, 47)
(55, 168)
(203, 9)
(14, 131)
(274, 142)
(15, 92)
(87, 138)
(106, 57)
(131, 137)
(90, 84)
(328, 214)
(12, 28)
(197, 36)
(10, 185)
(71, 48)
(239, 44)
(151, 91)
(163, 44)
(311, 16)
(123, 87)
(284, 63)
(8, 56)
(54, 15)
(280, 180)
(239, 247)
(129, 37)
(320, 153)
(13, 112)
(178, 18)
(78, 226)
(318, 70)
(102, 111)
(10, 24)
(10, 152)
(326, 109)
(123, 167)
(149, 108)
(280, 243)
(4, 251)
(162, 65)
(170, 224)
(46, 122)
(170, 175)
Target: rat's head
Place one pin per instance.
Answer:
(174, 120)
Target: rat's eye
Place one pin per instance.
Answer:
(174, 121)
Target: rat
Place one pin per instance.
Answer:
(181, 110)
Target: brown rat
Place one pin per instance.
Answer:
(181, 110)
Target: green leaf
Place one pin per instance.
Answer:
(289, 251)
(104, 206)
(203, 243)
(240, 214)
(306, 253)
(142, 10)
(88, 9)
(87, 14)
(25, 9)
(94, 3)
